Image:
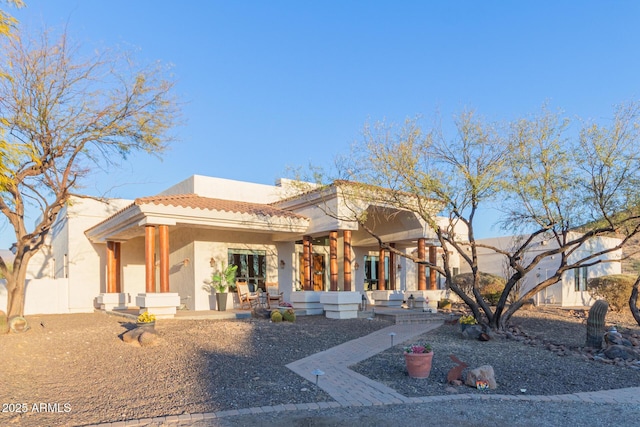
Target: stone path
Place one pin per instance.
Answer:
(350, 389)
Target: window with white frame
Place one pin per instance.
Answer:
(580, 279)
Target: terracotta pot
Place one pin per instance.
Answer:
(418, 364)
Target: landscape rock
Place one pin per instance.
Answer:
(472, 332)
(148, 337)
(620, 352)
(132, 335)
(260, 313)
(483, 373)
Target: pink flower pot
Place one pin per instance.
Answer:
(418, 364)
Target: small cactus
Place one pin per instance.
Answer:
(289, 315)
(276, 317)
(595, 324)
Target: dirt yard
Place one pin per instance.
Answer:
(76, 370)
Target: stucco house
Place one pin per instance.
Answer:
(571, 290)
(158, 251)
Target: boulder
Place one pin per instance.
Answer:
(620, 352)
(483, 373)
(132, 335)
(148, 337)
(472, 332)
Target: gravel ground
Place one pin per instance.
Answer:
(79, 362)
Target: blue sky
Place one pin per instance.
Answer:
(275, 84)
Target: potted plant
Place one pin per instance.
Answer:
(467, 321)
(418, 359)
(146, 319)
(221, 280)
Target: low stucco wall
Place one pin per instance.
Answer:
(43, 296)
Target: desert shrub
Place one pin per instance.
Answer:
(490, 285)
(615, 289)
(276, 316)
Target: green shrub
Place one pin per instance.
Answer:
(615, 289)
(289, 315)
(489, 285)
(276, 317)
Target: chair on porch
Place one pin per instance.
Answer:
(246, 298)
(273, 294)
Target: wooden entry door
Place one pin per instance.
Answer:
(317, 272)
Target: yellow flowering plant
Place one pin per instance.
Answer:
(146, 317)
(468, 320)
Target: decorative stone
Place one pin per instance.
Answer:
(132, 335)
(147, 337)
(472, 332)
(620, 352)
(18, 324)
(483, 373)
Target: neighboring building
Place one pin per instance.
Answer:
(571, 290)
(121, 252)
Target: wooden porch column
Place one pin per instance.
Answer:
(347, 260)
(111, 267)
(164, 257)
(306, 263)
(333, 261)
(432, 272)
(381, 281)
(118, 259)
(149, 258)
(392, 269)
(422, 272)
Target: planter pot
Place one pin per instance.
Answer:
(418, 364)
(221, 300)
(150, 325)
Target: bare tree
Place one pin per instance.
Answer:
(63, 115)
(554, 186)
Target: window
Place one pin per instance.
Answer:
(252, 266)
(371, 278)
(580, 279)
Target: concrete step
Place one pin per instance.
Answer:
(403, 317)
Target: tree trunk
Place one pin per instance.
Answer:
(633, 301)
(15, 291)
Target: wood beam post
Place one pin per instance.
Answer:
(433, 259)
(149, 258)
(347, 260)
(422, 272)
(392, 269)
(382, 285)
(111, 267)
(164, 257)
(333, 261)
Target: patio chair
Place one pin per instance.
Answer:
(273, 295)
(246, 298)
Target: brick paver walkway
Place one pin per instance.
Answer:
(349, 388)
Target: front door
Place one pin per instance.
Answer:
(317, 272)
